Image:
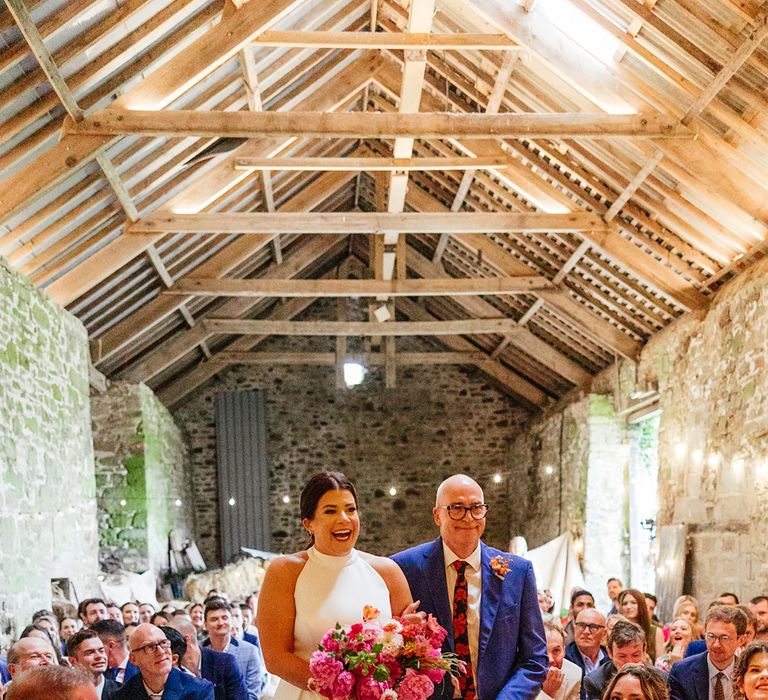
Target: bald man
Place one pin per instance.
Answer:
(52, 683)
(485, 598)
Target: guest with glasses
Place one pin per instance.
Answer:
(587, 650)
(485, 598)
(580, 600)
(709, 676)
(157, 678)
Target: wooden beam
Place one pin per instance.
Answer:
(258, 287)
(369, 164)
(177, 123)
(473, 326)
(214, 48)
(388, 40)
(633, 186)
(377, 359)
(367, 222)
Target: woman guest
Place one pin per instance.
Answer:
(751, 674)
(631, 604)
(681, 632)
(305, 594)
(636, 682)
(197, 615)
(688, 607)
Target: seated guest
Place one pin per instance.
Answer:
(158, 619)
(614, 587)
(114, 613)
(52, 683)
(626, 645)
(86, 650)
(113, 635)
(197, 615)
(580, 600)
(751, 675)
(651, 602)
(587, 650)
(238, 624)
(727, 599)
(631, 604)
(92, 610)
(688, 607)
(249, 631)
(563, 681)
(681, 633)
(69, 626)
(708, 676)
(759, 606)
(157, 677)
(48, 620)
(699, 646)
(41, 632)
(218, 624)
(146, 610)
(611, 620)
(637, 681)
(130, 613)
(29, 653)
(217, 667)
(4, 675)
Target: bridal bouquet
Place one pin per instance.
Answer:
(373, 660)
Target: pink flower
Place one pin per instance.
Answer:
(415, 686)
(389, 694)
(437, 632)
(325, 670)
(343, 685)
(330, 644)
(435, 674)
(369, 689)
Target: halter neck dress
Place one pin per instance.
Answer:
(329, 590)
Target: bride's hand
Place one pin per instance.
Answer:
(410, 616)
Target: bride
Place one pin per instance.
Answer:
(305, 594)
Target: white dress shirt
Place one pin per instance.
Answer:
(571, 685)
(100, 687)
(727, 679)
(473, 574)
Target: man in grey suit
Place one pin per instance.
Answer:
(218, 625)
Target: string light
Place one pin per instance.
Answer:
(549, 470)
(286, 499)
(497, 478)
(231, 501)
(392, 491)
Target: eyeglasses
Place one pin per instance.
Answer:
(587, 626)
(152, 647)
(722, 638)
(458, 512)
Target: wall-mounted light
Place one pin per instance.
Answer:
(354, 373)
(392, 491)
(549, 470)
(286, 499)
(231, 501)
(497, 478)
(177, 502)
(123, 502)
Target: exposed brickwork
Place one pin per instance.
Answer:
(47, 487)
(439, 420)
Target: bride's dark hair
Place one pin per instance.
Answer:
(320, 484)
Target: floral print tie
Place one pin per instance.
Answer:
(460, 632)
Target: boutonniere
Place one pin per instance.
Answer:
(500, 566)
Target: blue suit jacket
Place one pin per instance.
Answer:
(573, 655)
(689, 679)
(251, 665)
(251, 639)
(130, 672)
(697, 646)
(179, 686)
(221, 669)
(4, 675)
(512, 652)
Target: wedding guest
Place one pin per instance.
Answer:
(92, 610)
(306, 593)
(635, 681)
(709, 675)
(217, 667)
(28, 653)
(759, 606)
(113, 635)
(146, 610)
(158, 619)
(447, 576)
(751, 632)
(587, 650)
(651, 602)
(239, 623)
(218, 624)
(68, 627)
(751, 675)
(563, 681)
(4, 675)
(41, 632)
(611, 620)
(52, 683)
(48, 620)
(688, 607)
(130, 613)
(86, 650)
(197, 615)
(631, 604)
(727, 599)
(546, 603)
(614, 587)
(114, 613)
(681, 633)
(151, 653)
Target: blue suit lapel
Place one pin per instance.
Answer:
(434, 572)
(172, 690)
(491, 597)
(701, 679)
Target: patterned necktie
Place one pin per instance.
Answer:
(460, 632)
(719, 692)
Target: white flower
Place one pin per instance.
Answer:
(389, 694)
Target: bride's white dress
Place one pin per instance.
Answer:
(329, 590)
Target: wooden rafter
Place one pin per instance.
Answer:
(368, 164)
(376, 359)
(119, 122)
(388, 40)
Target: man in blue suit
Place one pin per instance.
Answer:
(112, 633)
(486, 600)
(217, 667)
(157, 678)
(708, 676)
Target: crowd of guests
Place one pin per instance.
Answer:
(628, 654)
(206, 651)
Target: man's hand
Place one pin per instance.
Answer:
(553, 682)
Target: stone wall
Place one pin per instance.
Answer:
(143, 478)
(48, 526)
(438, 421)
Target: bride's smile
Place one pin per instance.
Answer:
(336, 524)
